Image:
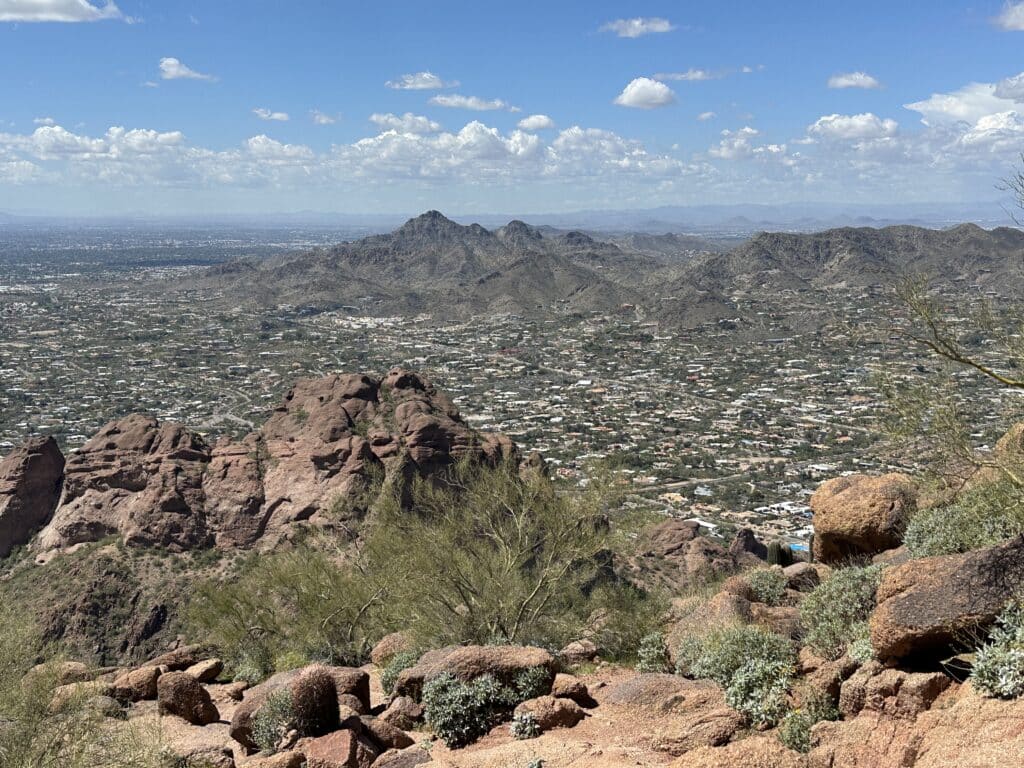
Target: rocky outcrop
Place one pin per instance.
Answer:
(30, 483)
(673, 554)
(137, 478)
(752, 752)
(860, 515)
(926, 606)
(178, 693)
(329, 442)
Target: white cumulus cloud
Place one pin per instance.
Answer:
(407, 123)
(853, 80)
(705, 116)
(645, 93)
(266, 114)
(1012, 17)
(1011, 88)
(321, 118)
(173, 69)
(455, 101)
(420, 81)
(969, 104)
(690, 75)
(638, 27)
(848, 127)
(44, 121)
(536, 123)
(58, 10)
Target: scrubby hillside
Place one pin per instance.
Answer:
(472, 613)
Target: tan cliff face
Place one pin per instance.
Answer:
(162, 485)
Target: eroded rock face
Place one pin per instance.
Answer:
(136, 478)
(925, 606)
(860, 515)
(674, 554)
(329, 441)
(30, 483)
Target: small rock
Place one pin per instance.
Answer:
(550, 712)
(206, 671)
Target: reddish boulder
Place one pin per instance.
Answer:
(137, 684)
(178, 693)
(341, 749)
(859, 515)
(549, 712)
(30, 486)
(927, 605)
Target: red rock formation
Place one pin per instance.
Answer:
(30, 482)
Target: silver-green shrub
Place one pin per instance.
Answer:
(981, 517)
(652, 655)
(999, 666)
(768, 585)
(833, 614)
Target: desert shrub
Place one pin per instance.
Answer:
(652, 655)
(37, 733)
(767, 584)
(860, 648)
(489, 556)
(753, 666)
(400, 661)
(481, 555)
(531, 683)
(999, 665)
(795, 728)
(273, 720)
(833, 614)
(287, 608)
(981, 517)
(622, 615)
(524, 726)
(461, 712)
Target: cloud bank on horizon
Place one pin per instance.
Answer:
(627, 112)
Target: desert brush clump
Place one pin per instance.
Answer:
(752, 665)
(480, 555)
(461, 712)
(768, 585)
(390, 672)
(795, 728)
(835, 613)
(652, 655)
(999, 664)
(980, 517)
(273, 720)
(524, 726)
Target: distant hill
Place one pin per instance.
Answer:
(432, 264)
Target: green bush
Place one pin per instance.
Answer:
(999, 665)
(833, 614)
(753, 666)
(981, 517)
(795, 728)
(400, 661)
(479, 556)
(273, 720)
(524, 726)
(768, 585)
(461, 712)
(652, 655)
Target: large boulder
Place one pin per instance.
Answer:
(926, 606)
(178, 693)
(341, 749)
(137, 684)
(30, 486)
(503, 662)
(860, 515)
(550, 712)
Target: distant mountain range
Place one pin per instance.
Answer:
(435, 266)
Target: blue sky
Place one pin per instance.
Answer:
(178, 107)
